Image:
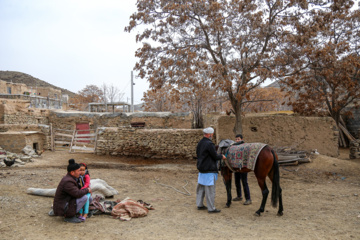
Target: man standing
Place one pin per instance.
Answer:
(243, 177)
(208, 171)
(69, 199)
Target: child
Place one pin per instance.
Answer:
(84, 182)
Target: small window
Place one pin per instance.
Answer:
(9, 90)
(254, 129)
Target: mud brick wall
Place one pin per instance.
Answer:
(300, 133)
(16, 141)
(67, 120)
(149, 143)
(14, 137)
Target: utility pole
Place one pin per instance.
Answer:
(132, 92)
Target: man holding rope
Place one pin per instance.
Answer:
(208, 171)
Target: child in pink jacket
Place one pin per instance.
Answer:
(84, 182)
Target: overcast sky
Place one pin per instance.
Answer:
(71, 43)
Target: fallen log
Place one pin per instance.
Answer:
(288, 157)
(290, 164)
(299, 160)
(301, 155)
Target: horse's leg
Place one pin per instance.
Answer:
(265, 193)
(262, 168)
(227, 178)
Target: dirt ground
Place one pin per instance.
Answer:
(321, 201)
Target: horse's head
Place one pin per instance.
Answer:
(222, 149)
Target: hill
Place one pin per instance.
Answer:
(19, 77)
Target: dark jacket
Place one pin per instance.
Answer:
(65, 197)
(238, 143)
(207, 156)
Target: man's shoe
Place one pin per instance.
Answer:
(72, 220)
(51, 213)
(247, 202)
(238, 199)
(202, 208)
(214, 211)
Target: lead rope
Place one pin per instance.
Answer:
(187, 192)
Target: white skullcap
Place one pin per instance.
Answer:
(208, 130)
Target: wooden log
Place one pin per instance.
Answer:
(96, 135)
(289, 157)
(292, 160)
(63, 130)
(62, 142)
(342, 142)
(290, 164)
(85, 135)
(63, 135)
(346, 132)
(52, 145)
(304, 160)
(72, 140)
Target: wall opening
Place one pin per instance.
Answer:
(253, 129)
(35, 146)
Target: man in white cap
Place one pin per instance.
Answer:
(208, 171)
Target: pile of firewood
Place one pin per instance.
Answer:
(289, 157)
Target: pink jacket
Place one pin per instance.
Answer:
(86, 181)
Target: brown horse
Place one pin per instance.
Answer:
(266, 165)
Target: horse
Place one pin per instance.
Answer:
(266, 165)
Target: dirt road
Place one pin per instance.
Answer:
(321, 201)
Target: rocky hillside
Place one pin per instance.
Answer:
(19, 77)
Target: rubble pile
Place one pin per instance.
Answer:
(355, 149)
(9, 159)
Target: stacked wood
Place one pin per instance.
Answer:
(345, 138)
(291, 157)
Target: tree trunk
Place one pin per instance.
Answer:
(238, 116)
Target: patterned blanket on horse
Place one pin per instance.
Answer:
(244, 155)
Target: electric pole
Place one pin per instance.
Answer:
(132, 92)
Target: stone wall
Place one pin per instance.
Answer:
(149, 143)
(67, 120)
(18, 112)
(301, 133)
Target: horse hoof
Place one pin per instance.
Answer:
(257, 214)
(226, 206)
(280, 214)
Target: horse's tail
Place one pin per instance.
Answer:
(276, 190)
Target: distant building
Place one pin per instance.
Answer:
(39, 97)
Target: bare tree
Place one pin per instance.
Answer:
(235, 42)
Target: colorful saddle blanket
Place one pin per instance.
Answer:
(244, 155)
